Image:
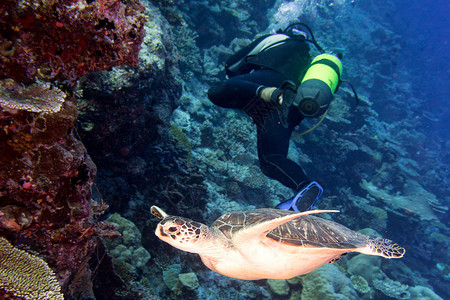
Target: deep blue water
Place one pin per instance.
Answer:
(426, 29)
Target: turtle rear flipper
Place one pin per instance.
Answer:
(383, 247)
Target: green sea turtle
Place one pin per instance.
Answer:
(268, 243)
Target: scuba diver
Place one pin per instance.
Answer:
(277, 84)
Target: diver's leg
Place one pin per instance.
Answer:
(239, 91)
(273, 146)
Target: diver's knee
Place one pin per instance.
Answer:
(217, 95)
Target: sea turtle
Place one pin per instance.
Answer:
(268, 243)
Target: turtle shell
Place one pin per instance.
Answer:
(307, 231)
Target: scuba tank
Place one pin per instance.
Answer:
(322, 79)
(318, 86)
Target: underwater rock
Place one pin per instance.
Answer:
(189, 280)
(128, 246)
(327, 283)
(423, 292)
(391, 288)
(360, 284)
(279, 287)
(368, 267)
(414, 202)
(171, 277)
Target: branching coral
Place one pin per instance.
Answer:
(36, 98)
(26, 275)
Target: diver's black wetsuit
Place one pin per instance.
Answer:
(285, 60)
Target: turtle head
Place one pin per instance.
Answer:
(182, 233)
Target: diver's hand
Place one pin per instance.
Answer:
(273, 95)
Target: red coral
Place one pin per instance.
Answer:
(62, 40)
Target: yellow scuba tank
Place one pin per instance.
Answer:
(318, 86)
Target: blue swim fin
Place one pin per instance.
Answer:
(305, 200)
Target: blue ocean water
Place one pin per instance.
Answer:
(426, 31)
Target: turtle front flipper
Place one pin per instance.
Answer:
(260, 230)
(158, 212)
(383, 247)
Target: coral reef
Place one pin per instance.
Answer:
(415, 201)
(128, 247)
(189, 280)
(279, 287)
(368, 267)
(361, 285)
(45, 188)
(45, 180)
(171, 277)
(25, 275)
(422, 292)
(63, 40)
(156, 139)
(182, 140)
(392, 289)
(35, 98)
(327, 283)
(148, 162)
(46, 174)
(219, 22)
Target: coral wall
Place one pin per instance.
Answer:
(46, 175)
(45, 179)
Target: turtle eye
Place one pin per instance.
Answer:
(172, 229)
